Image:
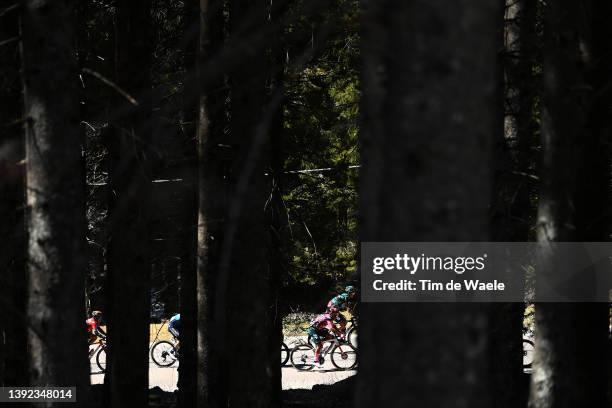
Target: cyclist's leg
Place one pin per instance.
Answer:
(319, 337)
(91, 340)
(341, 321)
(174, 333)
(317, 340)
(175, 337)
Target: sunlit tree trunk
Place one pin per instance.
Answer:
(55, 198)
(430, 117)
(571, 339)
(210, 120)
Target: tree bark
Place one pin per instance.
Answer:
(245, 258)
(13, 332)
(210, 118)
(128, 289)
(575, 139)
(430, 114)
(520, 127)
(55, 199)
(188, 363)
(512, 212)
(277, 220)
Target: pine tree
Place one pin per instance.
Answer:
(430, 115)
(55, 198)
(128, 255)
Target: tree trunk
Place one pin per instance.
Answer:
(245, 258)
(430, 115)
(210, 117)
(520, 126)
(575, 140)
(55, 199)
(187, 371)
(129, 195)
(277, 218)
(512, 211)
(13, 332)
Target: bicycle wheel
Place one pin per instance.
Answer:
(284, 354)
(302, 357)
(344, 356)
(528, 350)
(101, 359)
(351, 336)
(163, 353)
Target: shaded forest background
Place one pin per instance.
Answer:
(321, 81)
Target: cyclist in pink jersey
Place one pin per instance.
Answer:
(321, 329)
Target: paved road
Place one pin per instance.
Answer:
(167, 377)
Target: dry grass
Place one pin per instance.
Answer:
(153, 329)
(295, 324)
(163, 334)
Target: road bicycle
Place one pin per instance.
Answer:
(351, 332)
(99, 352)
(528, 350)
(285, 351)
(164, 353)
(342, 355)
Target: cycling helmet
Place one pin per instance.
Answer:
(96, 313)
(349, 289)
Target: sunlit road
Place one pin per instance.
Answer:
(167, 377)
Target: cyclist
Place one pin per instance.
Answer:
(174, 327)
(321, 329)
(341, 303)
(93, 328)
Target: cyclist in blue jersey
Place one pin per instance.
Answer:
(174, 327)
(341, 303)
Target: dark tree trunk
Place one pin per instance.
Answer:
(575, 148)
(55, 198)
(187, 370)
(512, 211)
(277, 218)
(211, 150)
(13, 333)
(129, 195)
(521, 87)
(245, 258)
(430, 115)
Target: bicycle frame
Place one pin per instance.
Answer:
(101, 344)
(329, 347)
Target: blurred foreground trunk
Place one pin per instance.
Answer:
(254, 379)
(129, 265)
(430, 117)
(187, 378)
(55, 199)
(13, 332)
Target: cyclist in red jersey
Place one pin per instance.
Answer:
(93, 327)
